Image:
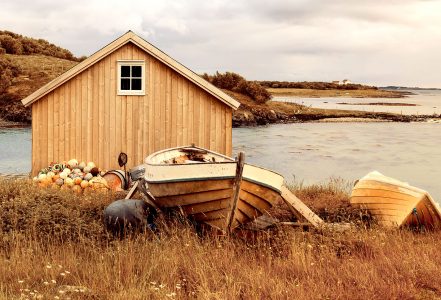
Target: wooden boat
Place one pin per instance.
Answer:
(209, 187)
(394, 203)
(212, 188)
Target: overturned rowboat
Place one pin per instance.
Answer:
(394, 203)
(215, 189)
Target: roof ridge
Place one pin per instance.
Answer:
(130, 36)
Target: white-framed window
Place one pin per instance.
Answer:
(131, 77)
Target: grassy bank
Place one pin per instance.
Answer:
(53, 244)
(315, 93)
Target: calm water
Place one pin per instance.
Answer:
(310, 152)
(314, 152)
(15, 150)
(428, 102)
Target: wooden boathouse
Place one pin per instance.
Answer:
(128, 97)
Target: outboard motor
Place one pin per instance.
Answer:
(129, 215)
(137, 173)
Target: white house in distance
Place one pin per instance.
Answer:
(343, 82)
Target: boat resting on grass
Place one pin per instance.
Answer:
(215, 189)
(394, 203)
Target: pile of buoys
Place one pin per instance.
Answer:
(72, 175)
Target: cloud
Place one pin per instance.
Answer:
(375, 42)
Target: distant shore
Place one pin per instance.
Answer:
(273, 112)
(341, 93)
(10, 124)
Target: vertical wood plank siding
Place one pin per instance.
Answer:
(85, 118)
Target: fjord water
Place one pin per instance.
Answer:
(315, 152)
(310, 152)
(15, 150)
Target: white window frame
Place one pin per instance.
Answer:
(140, 63)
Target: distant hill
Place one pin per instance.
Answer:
(394, 87)
(315, 85)
(26, 64)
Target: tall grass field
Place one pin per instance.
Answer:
(53, 246)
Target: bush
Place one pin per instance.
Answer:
(236, 83)
(254, 90)
(11, 45)
(314, 85)
(17, 44)
(7, 72)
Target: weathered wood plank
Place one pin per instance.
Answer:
(299, 209)
(229, 131)
(89, 117)
(111, 85)
(107, 106)
(56, 114)
(101, 116)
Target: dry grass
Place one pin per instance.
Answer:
(314, 93)
(53, 245)
(34, 71)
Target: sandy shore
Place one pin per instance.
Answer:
(351, 120)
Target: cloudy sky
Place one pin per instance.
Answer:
(393, 42)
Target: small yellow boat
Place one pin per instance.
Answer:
(394, 203)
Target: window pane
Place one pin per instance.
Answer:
(136, 84)
(125, 71)
(125, 84)
(136, 71)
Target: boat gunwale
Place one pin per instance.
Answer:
(165, 181)
(148, 159)
(231, 160)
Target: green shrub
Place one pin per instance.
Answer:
(17, 44)
(11, 45)
(236, 83)
(7, 72)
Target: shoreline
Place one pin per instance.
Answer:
(9, 124)
(278, 112)
(275, 112)
(338, 93)
(261, 115)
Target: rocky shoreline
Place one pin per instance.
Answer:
(278, 112)
(250, 116)
(10, 124)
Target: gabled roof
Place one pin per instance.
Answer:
(147, 47)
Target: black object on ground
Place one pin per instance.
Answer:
(125, 216)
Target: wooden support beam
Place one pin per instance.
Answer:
(237, 182)
(132, 191)
(299, 209)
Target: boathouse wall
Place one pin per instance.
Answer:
(86, 119)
